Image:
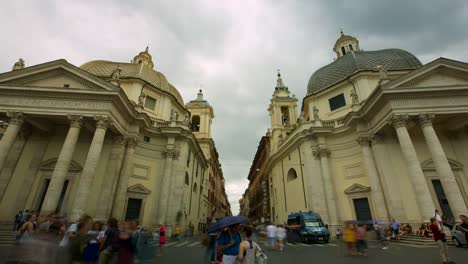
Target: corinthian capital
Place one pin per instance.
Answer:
(363, 141)
(16, 118)
(102, 122)
(172, 153)
(75, 120)
(399, 120)
(321, 152)
(425, 119)
(131, 141)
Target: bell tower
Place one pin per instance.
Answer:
(283, 106)
(201, 116)
(283, 113)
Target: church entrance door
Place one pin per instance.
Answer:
(133, 208)
(62, 195)
(443, 201)
(362, 209)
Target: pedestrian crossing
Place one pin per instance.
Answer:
(191, 244)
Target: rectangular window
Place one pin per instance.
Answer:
(146, 139)
(337, 102)
(150, 103)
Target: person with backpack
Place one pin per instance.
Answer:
(109, 242)
(248, 249)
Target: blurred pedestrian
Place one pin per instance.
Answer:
(361, 240)
(281, 235)
(438, 217)
(127, 243)
(271, 234)
(178, 231)
(248, 248)
(464, 225)
(17, 222)
(79, 240)
(349, 237)
(162, 238)
(396, 229)
(26, 231)
(228, 243)
(440, 239)
(109, 242)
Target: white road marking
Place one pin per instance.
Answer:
(292, 245)
(318, 245)
(333, 245)
(170, 244)
(181, 244)
(305, 245)
(193, 244)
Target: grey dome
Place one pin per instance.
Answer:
(356, 61)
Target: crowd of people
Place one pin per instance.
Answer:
(85, 240)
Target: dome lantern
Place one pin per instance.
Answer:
(345, 44)
(144, 58)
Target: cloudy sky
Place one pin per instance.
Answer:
(232, 48)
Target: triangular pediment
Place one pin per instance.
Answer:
(438, 73)
(55, 74)
(357, 188)
(50, 165)
(138, 188)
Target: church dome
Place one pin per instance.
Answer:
(356, 61)
(141, 68)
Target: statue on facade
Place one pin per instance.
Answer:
(141, 99)
(316, 115)
(187, 119)
(174, 115)
(116, 73)
(354, 97)
(280, 139)
(268, 134)
(383, 72)
(18, 65)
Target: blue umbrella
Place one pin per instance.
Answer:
(227, 221)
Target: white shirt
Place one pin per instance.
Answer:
(281, 233)
(271, 231)
(438, 217)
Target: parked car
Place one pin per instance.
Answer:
(458, 237)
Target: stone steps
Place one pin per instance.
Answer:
(7, 236)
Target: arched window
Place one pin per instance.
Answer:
(350, 47)
(292, 175)
(195, 187)
(187, 180)
(195, 123)
(343, 51)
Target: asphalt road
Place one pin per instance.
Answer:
(192, 252)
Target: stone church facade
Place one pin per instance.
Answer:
(106, 139)
(379, 136)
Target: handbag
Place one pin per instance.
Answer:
(261, 258)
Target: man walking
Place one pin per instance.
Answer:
(438, 217)
(271, 234)
(440, 239)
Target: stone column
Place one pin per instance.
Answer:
(14, 125)
(125, 173)
(380, 205)
(61, 167)
(323, 154)
(11, 161)
(449, 182)
(114, 165)
(89, 169)
(168, 155)
(415, 173)
(390, 185)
